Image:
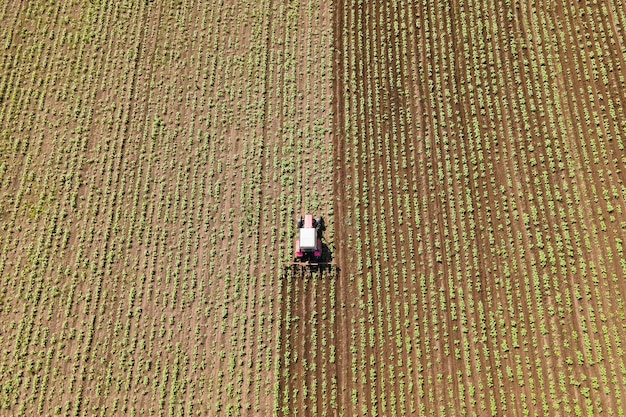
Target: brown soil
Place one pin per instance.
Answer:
(468, 158)
(147, 200)
(478, 266)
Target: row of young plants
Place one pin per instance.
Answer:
(144, 200)
(472, 221)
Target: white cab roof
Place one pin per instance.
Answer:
(307, 238)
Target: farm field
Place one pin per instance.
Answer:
(151, 157)
(468, 157)
(482, 218)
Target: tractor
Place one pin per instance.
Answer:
(311, 255)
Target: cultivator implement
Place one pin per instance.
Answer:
(310, 269)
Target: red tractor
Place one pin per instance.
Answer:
(308, 246)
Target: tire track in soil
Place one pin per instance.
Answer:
(339, 173)
(306, 376)
(304, 380)
(345, 294)
(371, 78)
(255, 291)
(145, 56)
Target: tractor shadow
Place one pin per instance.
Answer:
(327, 255)
(308, 367)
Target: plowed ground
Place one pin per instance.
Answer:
(481, 207)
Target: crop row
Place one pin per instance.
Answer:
(154, 153)
(485, 242)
